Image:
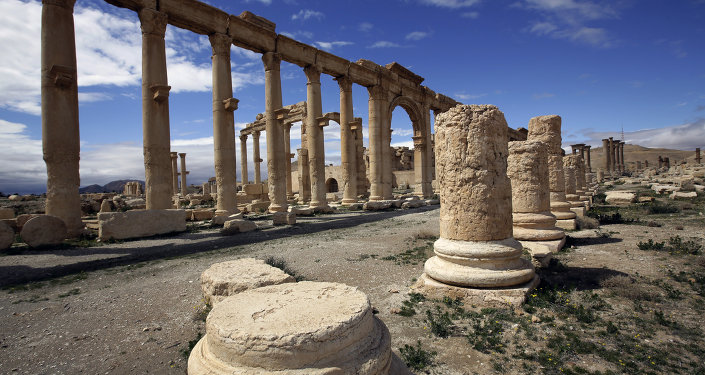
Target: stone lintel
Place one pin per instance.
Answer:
(230, 104)
(281, 113)
(322, 121)
(160, 92)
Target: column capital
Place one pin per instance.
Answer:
(377, 92)
(152, 22)
(182, 154)
(220, 43)
(271, 60)
(68, 4)
(345, 83)
(243, 137)
(230, 104)
(313, 73)
(174, 155)
(419, 141)
(255, 134)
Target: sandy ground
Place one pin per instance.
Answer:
(133, 307)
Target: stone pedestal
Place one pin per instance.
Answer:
(547, 129)
(534, 224)
(295, 328)
(225, 279)
(60, 130)
(476, 248)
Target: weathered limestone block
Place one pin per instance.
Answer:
(257, 207)
(235, 226)
(226, 279)
(136, 203)
(662, 189)
(140, 223)
(527, 167)
(14, 198)
(194, 202)
(201, 215)
(43, 230)
(570, 170)
(7, 213)
(294, 328)
(376, 205)
(683, 195)
(413, 203)
(620, 197)
(298, 211)
(476, 248)
(220, 220)
(283, 218)
(21, 220)
(7, 236)
(105, 206)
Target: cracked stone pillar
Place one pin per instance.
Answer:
(613, 155)
(621, 156)
(581, 187)
(377, 113)
(243, 160)
(387, 154)
(314, 134)
(534, 224)
(360, 159)
(477, 259)
(589, 162)
(276, 168)
(607, 153)
(289, 155)
(184, 172)
(224, 127)
(256, 157)
(547, 129)
(419, 171)
(155, 110)
(571, 167)
(304, 176)
(60, 130)
(174, 173)
(348, 157)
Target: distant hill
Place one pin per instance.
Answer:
(632, 153)
(110, 187)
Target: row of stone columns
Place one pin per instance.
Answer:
(584, 151)
(614, 155)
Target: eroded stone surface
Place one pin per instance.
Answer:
(293, 328)
(7, 235)
(7, 213)
(226, 279)
(43, 230)
(139, 223)
(620, 197)
(234, 226)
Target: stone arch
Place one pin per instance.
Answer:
(331, 185)
(413, 110)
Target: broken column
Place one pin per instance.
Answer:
(608, 154)
(547, 129)
(184, 172)
(534, 224)
(294, 328)
(256, 157)
(244, 180)
(60, 129)
(476, 249)
(304, 176)
(174, 173)
(155, 110)
(570, 170)
(588, 162)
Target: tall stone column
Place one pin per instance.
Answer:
(314, 134)
(607, 154)
(697, 155)
(571, 167)
(347, 142)
(388, 153)
(174, 173)
(224, 126)
(155, 110)
(304, 176)
(377, 112)
(60, 129)
(184, 172)
(256, 157)
(419, 172)
(476, 248)
(243, 160)
(428, 165)
(547, 129)
(276, 169)
(287, 159)
(589, 162)
(534, 224)
(613, 151)
(621, 156)
(360, 158)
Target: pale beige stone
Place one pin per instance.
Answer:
(226, 279)
(683, 195)
(43, 230)
(201, 215)
(7, 235)
(620, 197)
(14, 198)
(235, 226)
(376, 205)
(220, 220)
(570, 169)
(414, 203)
(140, 223)
(476, 248)
(283, 218)
(105, 206)
(7, 213)
(293, 328)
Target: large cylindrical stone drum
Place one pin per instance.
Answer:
(295, 328)
(527, 168)
(471, 167)
(569, 171)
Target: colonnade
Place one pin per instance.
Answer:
(584, 151)
(614, 155)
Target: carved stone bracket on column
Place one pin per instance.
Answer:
(63, 76)
(230, 104)
(160, 92)
(271, 60)
(355, 124)
(259, 160)
(281, 113)
(419, 141)
(323, 121)
(220, 44)
(292, 155)
(153, 22)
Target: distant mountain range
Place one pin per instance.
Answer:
(110, 187)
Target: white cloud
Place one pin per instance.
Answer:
(464, 96)
(403, 132)
(384, 44)
(108, 51)
(22, 169)
(330, 45)
(297, 35)
(453, 4)
(365, 27)
(305, 14)
(417, 35)
(265, 2)
(93, 97)
(543, 28)
(674, 46)
(471, 15)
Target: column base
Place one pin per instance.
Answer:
(276, 207)
(348, 201)
(486, 297)
(226, 212)
(553, 246)
(579, 211)
(567, 224)
(375, 198)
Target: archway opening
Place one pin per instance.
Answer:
(332, 185)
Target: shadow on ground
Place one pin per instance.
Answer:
(13, 275)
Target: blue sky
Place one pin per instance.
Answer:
(602, 66)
